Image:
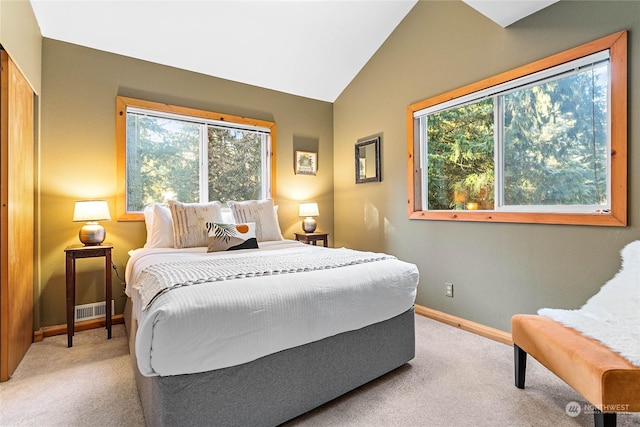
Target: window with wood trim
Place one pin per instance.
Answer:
(543, 143)
(170, 152)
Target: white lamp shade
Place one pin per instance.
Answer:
(308, 209)
(91, 210)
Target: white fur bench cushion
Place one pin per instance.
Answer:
(612, 316)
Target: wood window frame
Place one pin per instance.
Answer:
(617, 216)
(121, 143)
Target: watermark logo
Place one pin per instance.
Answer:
(619, 408)
(573, 409)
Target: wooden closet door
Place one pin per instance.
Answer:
(16, 216)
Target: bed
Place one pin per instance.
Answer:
(261, 335)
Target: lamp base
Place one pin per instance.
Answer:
(309, 224)
(92, 234)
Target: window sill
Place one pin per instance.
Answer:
(602, 219)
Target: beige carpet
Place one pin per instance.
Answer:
(456, 379)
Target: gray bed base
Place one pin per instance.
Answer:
(278, 387)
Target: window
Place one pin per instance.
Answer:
(543, 143)
(168, 152)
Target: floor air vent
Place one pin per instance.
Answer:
(91, 311)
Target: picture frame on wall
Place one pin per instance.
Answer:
(306, 163)
(367, 156)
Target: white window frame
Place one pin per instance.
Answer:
(201, 117)
(497, 93)
(612, 48)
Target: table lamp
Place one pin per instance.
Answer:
(308, 210)
(91, 211)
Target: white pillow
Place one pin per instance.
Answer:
(148, 222)
(159, 225)
(189, 222)
(227, 216)
(162, 229)
(261, 212)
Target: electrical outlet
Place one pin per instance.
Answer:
(448, 289)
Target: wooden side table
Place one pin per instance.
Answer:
(313, 238)
(74, 252)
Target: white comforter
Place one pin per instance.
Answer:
(219, 324)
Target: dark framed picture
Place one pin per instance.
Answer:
(306, 163)
(368, 159)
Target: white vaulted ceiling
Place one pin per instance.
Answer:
(301, 47)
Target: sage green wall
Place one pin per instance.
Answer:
(78, 153)
(497, 269)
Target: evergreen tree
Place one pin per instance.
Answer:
(554, 146)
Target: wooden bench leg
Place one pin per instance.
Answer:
(520, 364)
(604, 419)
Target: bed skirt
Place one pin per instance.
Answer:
(278, 387)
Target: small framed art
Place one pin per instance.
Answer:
(306, 163)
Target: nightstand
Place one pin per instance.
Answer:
(74, 252)
(313, 238)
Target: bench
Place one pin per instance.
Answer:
(607, 380)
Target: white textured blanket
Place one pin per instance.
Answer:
(612, 316)
(225, 323)
(159, 278)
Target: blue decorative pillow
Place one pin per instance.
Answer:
(231, 237)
